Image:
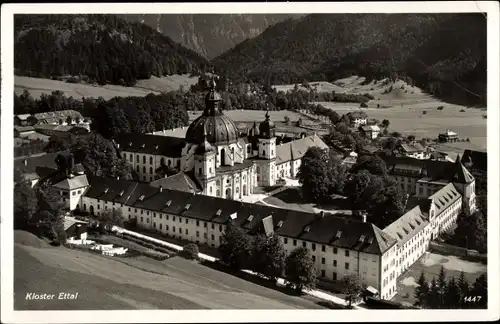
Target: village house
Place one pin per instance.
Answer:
(60, 117)
(448, 136)
(370, 131)
(414, 150)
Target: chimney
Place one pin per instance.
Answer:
(117, 177)
(118, 145)
(161, 189)
(321, 214)
(25, 162)
(363, 215)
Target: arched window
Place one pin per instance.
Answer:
(272, 152)
(144, 159)
(150, 170)
(143, 169)
(150, 160)
(217, 182)
(169, 162)
(217, 193)
(131, 158)
(137, 168)
(137, 158)
(162, 161)
(263, 152)
(210, 190)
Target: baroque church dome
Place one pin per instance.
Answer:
(212, 125)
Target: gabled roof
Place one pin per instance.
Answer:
(445, 197)
(478, 159)
(150, 144)
(412, 148)
(296, 149)
(23, 116)
(370, 128)
(71, 183)
(405, 227)
(24, 129)
(70, 221)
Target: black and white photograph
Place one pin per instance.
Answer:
(250, 159)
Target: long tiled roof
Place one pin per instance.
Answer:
(411, 148)
(295, 150)
(150, 144)
(353, 234)
(110, 189)
(57, 114)
(478, 159)
(181, 181)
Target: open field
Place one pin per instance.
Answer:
(404, 107)
(135, 283)
(431, 264)
(37, 86)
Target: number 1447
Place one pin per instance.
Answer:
(472, 299)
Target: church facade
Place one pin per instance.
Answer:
(214, 158)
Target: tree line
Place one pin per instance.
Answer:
(101, 48)
(451, 292)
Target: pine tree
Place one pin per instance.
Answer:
(452, 296)
(441, 285)
(422, 291)
(433, 296)
(463, 288)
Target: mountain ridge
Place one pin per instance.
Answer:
(210, 34)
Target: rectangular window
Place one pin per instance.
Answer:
(294, 242)
(220, 228)
(187, 221)
(154, 225)
(334, 250)
(205, 224)
(314, 258)
(213, 237)
(322, 260)
(334, 263)
(213, 226)
(334, 276)
(314, 247)
(197, 234)
(204, 235)
(142, 219)
(197, 223)
(160, 216)
(322, 273)
(173, 229)
(186, 231)
(346, 253)
(323, 248)
(347, 265)
(173, 218)
(285, 240)
(160, 225)
(304, 244)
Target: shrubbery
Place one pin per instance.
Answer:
(190, 251)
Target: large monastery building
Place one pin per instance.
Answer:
(214, 158)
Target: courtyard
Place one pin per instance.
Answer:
(430, 264)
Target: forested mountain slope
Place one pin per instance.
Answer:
(103, 48)
(444, 54)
